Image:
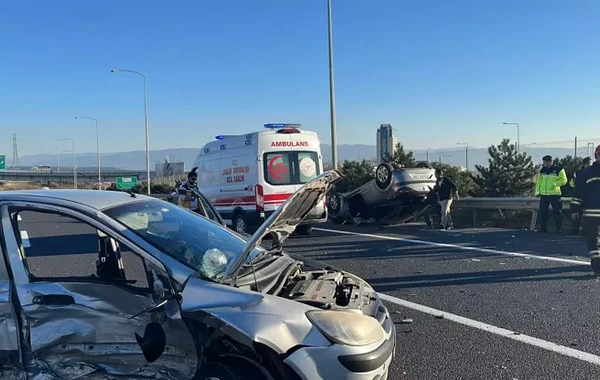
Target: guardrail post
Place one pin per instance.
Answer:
(475, 218)
(534, 214)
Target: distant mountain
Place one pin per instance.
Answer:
(135, 160)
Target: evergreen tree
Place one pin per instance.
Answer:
(571, 165)
(402, 158)
(356, 174)
(508, 174)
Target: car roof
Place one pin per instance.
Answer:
(97, 199)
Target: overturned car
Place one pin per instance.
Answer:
(207, 303)
(395, 195)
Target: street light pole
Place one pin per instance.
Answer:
(466, 154)
(518, 135)
(74, 161)
(145, 121)
(334, 152)
(97, 148)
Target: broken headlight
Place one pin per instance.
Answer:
(346, 327)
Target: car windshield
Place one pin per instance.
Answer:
(191, 239)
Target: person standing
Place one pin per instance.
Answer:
(586, 202)
(185, 196)
(551, 178)
(447, 193)
(576, 222)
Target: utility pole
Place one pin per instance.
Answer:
(575, 155)
(334, 152)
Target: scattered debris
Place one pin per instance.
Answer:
(406, 321)
(475, 260)
(441, 316)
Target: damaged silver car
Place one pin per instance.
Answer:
(145, 289)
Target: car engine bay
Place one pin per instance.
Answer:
(329, 290)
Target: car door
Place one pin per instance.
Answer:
(82, 315)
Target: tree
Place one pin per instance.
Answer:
(356, 174)
(402, 158)
(463, 180)
(509, 174)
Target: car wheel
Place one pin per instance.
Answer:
(239, 224)
(383, 175)
(217, 371)
(304, 230)
(335, 204)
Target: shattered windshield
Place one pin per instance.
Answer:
(191, 239)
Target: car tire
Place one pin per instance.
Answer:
(335, 204)
(304, 230)
(217, 371)
(240, 224)
(383, 175)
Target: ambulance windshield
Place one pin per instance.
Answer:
(290, 167)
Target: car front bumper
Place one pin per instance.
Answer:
(344, 362)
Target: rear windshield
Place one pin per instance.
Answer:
(290, 168)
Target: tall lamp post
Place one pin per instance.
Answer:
(334, 152)
(518, 133)
(466, 154)
(74, 161)
(145, 120)
(97, 147)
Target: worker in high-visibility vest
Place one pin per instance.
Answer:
(587, 202)
(576, 222)
(551, 178)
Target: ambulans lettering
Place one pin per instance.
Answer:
(284, 144)
(235, 174)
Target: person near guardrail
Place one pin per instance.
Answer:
(447, 192)
(186, 197)
(432, 211)
(551, 178)
(587, 202)
(576, 222)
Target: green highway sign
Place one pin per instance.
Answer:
(126, 183)
(2, 162)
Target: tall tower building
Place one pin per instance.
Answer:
(386, 142)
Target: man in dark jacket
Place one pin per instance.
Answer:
(433, 210)
(447, 192)
(587, 201)
(576, 222)
(186, 197)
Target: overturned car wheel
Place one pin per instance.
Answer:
(383, 175)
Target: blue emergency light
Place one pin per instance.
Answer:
(282, 125)
(220, 137)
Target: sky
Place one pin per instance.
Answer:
(440, 72)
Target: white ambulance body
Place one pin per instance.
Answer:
(247, 177)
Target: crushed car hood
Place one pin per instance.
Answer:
(289, 215)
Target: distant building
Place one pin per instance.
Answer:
(386, 142)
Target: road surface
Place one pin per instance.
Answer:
(468, 304)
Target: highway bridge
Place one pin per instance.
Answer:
(67, 176)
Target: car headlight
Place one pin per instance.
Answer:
(347, 328)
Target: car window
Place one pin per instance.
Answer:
(207, 247)
(290, 168)
(60, 246)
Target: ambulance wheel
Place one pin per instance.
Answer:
(240, 225)
(304, 230)
(383, 175)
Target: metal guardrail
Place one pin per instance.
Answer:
(510, 203)
(483, 203)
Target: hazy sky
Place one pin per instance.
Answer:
(439, 71)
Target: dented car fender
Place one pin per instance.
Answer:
(277, 323)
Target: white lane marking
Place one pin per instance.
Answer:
(549, 346)
(25, 239)
(19, 217)
(454, 246)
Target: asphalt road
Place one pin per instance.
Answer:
(484, 304)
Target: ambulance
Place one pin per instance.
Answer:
(247, 177)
